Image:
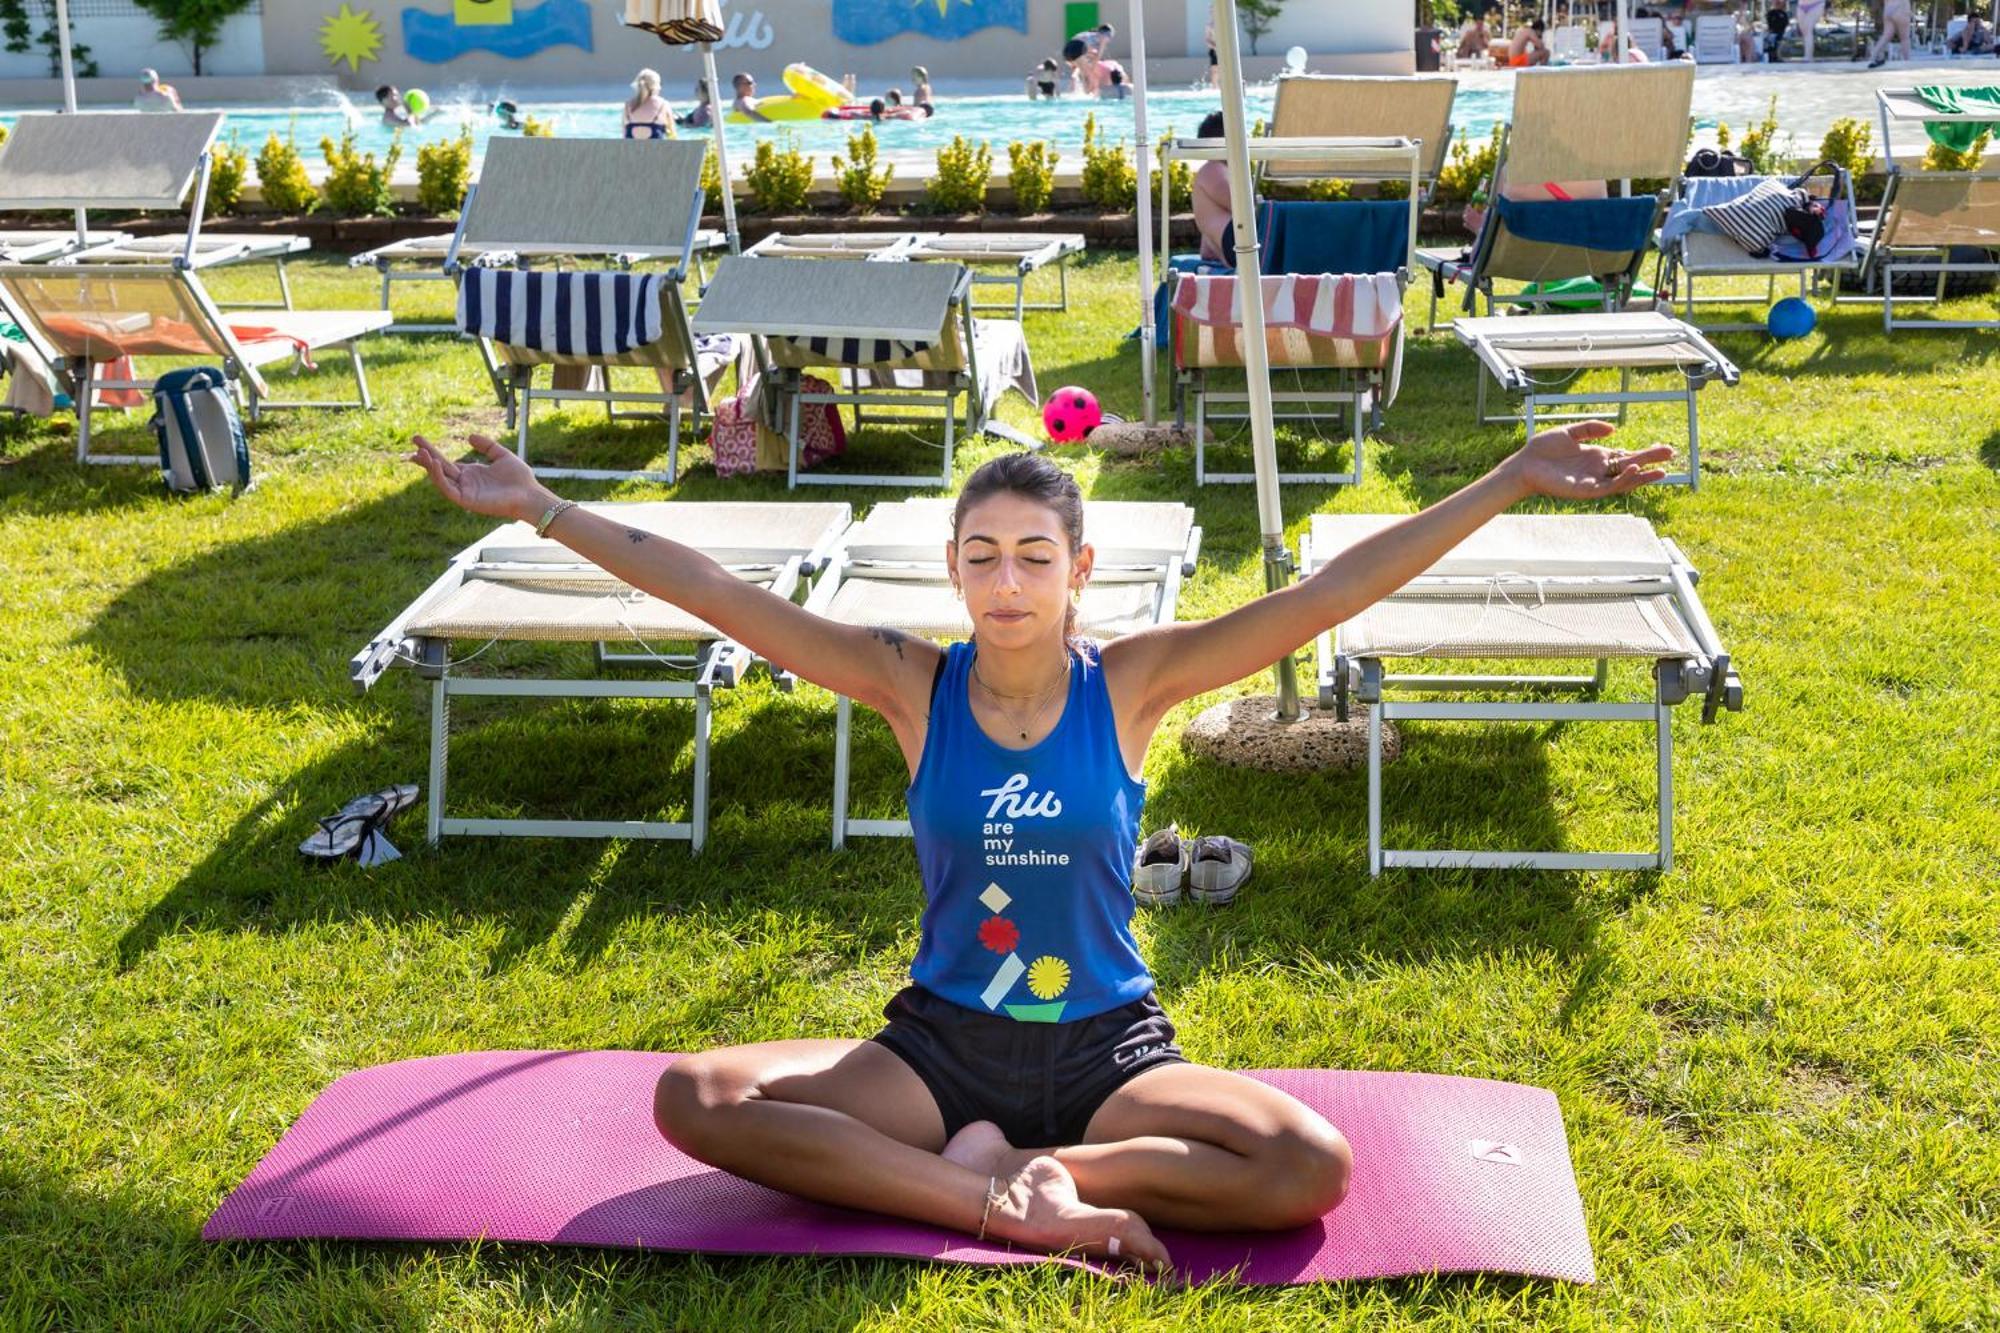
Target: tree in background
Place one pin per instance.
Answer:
(1257, 16)
(195, 24)
(18, 29)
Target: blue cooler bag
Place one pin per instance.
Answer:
(201, 438)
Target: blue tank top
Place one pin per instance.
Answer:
(1026, 857)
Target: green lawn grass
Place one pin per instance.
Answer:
(1776, 1063)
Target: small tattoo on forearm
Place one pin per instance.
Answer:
(634, 536)
(895, 638)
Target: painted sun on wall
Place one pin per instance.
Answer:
(866, 22)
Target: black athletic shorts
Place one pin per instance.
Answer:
(1040, 1082)
(1211, 56)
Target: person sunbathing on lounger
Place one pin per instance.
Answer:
(1027, 1086)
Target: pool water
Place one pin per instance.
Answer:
(999, 120)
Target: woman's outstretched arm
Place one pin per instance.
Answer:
(882, 668)
(1174, 662)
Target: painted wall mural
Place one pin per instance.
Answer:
(866, 22)
(498, 26)
(350, 35)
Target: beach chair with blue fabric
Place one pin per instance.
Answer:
(1575, 133)
(618, 197)
(1333, 277)
(1730, 227)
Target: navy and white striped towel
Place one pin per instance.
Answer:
(862, 351)
(571, 314)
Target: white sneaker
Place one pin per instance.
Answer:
(1161, 868)
(1216, 870)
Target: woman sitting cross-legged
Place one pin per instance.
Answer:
(1028, 1086)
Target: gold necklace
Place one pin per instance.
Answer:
(1045, 696)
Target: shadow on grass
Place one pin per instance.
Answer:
(1989, 450)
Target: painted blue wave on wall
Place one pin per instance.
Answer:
(866, 22)
(436, 38)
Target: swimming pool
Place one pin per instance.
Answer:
(997, 119)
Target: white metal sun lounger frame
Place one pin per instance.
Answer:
(426, 255)
(83, 380)
(1676, 258)
(35, 246)
(1025, 252)
(514, 384)
(924, 564)
(1492, 338)
(1373, 159)
(1901, 105)
(513, 550)
(1707, 675)
(794, 399)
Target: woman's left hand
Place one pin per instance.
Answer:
(1563, 463)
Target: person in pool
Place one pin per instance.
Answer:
(746, 98)
(1028, 1085)
(1043, 82)
(920, 93)
(1116, 89)
(154, 95)
(698, 117)
(394, 114)
(647, 115)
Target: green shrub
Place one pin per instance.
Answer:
(861, 185)
(962, 176)
(1459, 177)
(228, 167)
(1760, 143)
(779, 178)
(1031, 174)
(1180, 181)
(1109, 178)
(1940, 158)
(282, 177)
(356, 184)
(711, 179)
(443, 170)
(536, 129)
(1849, 143)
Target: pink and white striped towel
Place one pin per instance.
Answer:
(1340, 305)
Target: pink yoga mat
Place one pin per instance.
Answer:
(1451, 1175)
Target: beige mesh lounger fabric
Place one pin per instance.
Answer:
(1323, 106)
(1530, 355)
(629, 199)
(81, 316)
(1611, 123)
(889, 570)
(844, 316)
(1526, 588)
(513, 586)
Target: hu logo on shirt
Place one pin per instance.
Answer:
(1012, 800)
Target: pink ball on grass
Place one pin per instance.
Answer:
(1071, 413)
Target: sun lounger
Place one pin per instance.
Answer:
(421, 259)
(1521, 352)
(79, 317)
(132, 160)
(1024, 253)
(833, 245)
(511, 586)
(1693, 248)
(39, 246)
(1330, 106)
(621, 197)
(1526, 588)
(889, 570)
(1930, 222)
(1567, 46)
(1612, 123)
(901, 335)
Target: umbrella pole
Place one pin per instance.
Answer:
(715, 116)
(1143, 150)
(69, 101)
(1256, 354)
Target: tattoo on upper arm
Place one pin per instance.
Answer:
(634, 536)
(894, 638)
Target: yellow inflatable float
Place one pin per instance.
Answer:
(813, 93)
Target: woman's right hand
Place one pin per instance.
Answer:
(503, 486)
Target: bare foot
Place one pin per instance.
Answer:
(1041, 1209)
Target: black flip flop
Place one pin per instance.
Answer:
(341, 833)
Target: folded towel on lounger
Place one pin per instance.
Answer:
(571, 314)
(1340, 305)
